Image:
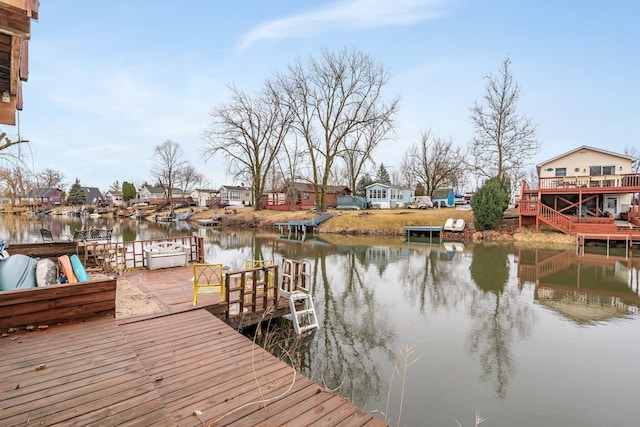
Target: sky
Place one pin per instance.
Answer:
(111, 80)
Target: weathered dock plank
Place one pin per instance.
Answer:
(74, 372)
(202, 364)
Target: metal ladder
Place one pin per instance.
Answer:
(296, 286)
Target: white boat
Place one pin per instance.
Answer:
(454, 225)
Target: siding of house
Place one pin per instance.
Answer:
(578, 165)
(386, 196)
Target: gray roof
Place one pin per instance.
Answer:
(92, 194)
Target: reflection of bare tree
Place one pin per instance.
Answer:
(501, 316)
(354, 327)
(426, 279)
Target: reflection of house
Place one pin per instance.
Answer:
(235, 196)
(581, 191)
(43, 197)
(384, 255)
(15, 32)
(443, 197)
(301, 196)
(583, 288)
(386, 196)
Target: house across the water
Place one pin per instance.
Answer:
(386, 196)
(301, 196)
(582, 191)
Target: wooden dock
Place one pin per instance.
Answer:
(157, 371)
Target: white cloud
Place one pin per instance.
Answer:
(347, 14)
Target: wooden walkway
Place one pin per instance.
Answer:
(172, 288)
(157, 371)
(81, 373)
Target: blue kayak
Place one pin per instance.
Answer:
(17, 272)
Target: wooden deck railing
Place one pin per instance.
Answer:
(251, 291)
(629, 182)
(554, 218)
(118, 256)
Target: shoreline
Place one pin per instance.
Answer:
(390, 222)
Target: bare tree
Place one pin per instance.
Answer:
(249, 132)
(434, 162)
(187, 177)
(50, 178)
(332, 99)
(168, 164)
(15, 181)
(634, 153)
(505, 141)
(359, 147)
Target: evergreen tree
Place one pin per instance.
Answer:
(419, 190)
(382, 176)
(128, 191)
(364, 181)
(490, 202)
(76, 194)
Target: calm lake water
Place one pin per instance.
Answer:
(523, 337)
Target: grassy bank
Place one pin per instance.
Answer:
(390, 222)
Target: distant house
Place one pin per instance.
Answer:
(149, 192)
(386, 196)
(42, 197)
(92, 195)
(235, 195)
(114, 197)
(203, 197)
(301, 196)
(443, 197)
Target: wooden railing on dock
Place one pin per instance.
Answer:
(130, 255)
(251, 292)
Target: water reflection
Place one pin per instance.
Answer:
(584, 289)
(500, 315)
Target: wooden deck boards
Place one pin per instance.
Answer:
(75, 373)
(157, 370)
(199, 363)
(172, 288)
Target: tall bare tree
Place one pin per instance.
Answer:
(359, 147)
(332, 99)
(168, 164)
(434, 162)
(50, 178)
(188, 176)
(15, 181)
(249, 131)
(505, 141)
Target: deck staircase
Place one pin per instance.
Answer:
(553, 218)
(296, 286)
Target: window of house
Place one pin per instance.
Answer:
(602, 170)
(306, 196)
(561, 172)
